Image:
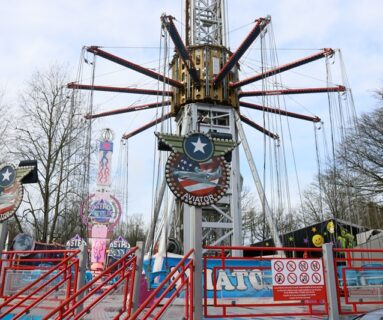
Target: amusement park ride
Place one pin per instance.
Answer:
(204, 95)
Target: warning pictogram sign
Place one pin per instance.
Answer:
(303, 266)
(292, 278)
(279, 278)
(316, 277)
(315, 265)
(298, 279)
(278, 266)
(304, 277)
(291, 266)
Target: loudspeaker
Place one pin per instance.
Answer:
(31, 177)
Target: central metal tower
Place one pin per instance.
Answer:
(206, 103)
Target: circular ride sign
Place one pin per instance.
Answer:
(100, 209)
(11, 189)
(196, 176)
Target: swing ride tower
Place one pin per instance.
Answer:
(207, 104)
(206, 94)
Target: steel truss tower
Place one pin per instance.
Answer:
(208, 104)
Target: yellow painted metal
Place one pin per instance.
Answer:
(208, 61)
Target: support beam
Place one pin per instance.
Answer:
(127, 136)
(127, 109)
(167, 22)
(73, 85)
(254, 33)
(157, 206)
(278, 111)
(257, 181)
(106, 55)
(290, 91)
(326, 52)
(258, 127)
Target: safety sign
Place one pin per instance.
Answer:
(298, 279)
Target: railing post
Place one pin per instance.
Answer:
(138, 274)
(196, 242)
(3, 234)
(328, 260)
(82, 264)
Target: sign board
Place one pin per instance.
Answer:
(298, 279)
(118, 248)
(11, 189)
(196, 170)
(74, 243)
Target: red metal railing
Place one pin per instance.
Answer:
(359, 278)
(215, 307)
(50, 280)
(180, 278)
(123, 270)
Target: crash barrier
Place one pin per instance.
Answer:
(50, 276)
(114, 285)
(359, 279)
(263, 285)
(177, 284)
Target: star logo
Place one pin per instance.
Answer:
(11, 189)
(7, 175)
(199, 146)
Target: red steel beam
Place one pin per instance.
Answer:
(73, 85)
(127, 136)
(290, 91)
(167, 21)
(254, 33)
(258, 127)
(133, 66)
(278, 111)
(127, 109)
(326, 52)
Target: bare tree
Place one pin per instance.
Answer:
(364, 156)
(133, 230)
(51, 130)
(4, 128)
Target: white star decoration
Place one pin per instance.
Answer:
(6, 175)
(199, 146)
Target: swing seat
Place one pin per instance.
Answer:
(156, 278)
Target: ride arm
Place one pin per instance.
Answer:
(290, 91)
(258, 127)
(126, 136)
(97, 51)
(127, 109)
(254, 33)
(167, 21)
(74, 85)
(326, 52)
(278, 111)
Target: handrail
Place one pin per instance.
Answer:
(62, 263)
(167, 278)
(105, 281)
(89, 284)
(41, 298)
(216, 248)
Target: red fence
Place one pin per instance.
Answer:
(359, 275)
(256, 271)
(179, 282)
(26, 282)
(117, 281)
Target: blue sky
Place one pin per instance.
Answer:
(36, 33)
